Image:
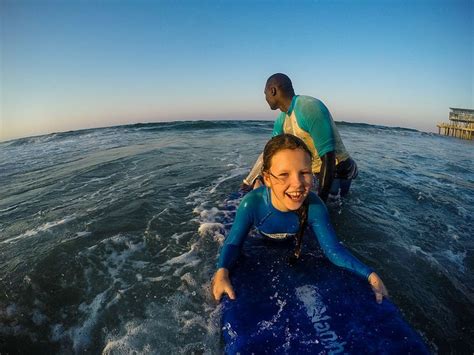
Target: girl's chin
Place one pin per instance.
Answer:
(293, 205)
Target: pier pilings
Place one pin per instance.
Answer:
(455, 130)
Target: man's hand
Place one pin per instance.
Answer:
(258, 182)
(246, 187)
(255, 185)
(221, 285)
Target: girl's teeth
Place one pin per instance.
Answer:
(295, 195)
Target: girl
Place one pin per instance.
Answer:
(282, 208)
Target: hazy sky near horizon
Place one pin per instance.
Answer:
(67, 65)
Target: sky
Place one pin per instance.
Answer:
(68, 64)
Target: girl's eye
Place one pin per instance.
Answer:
(283, 175)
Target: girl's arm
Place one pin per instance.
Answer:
(231, 250)
(318, 218)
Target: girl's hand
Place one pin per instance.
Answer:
(378, 287)
(221, 284)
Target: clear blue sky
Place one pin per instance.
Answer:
(68, 65)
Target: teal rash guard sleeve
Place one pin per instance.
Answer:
(256, 210)
(278, 125)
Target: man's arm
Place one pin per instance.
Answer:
(257, 167)
(326, 174)
(314, 117)
(255, 172)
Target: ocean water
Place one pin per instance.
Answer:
(109, 237)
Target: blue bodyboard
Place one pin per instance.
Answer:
(311, 307)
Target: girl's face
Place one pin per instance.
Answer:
(289, 178)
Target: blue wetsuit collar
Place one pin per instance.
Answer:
(292, 105)
(268, 197)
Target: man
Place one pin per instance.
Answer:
(309, 119)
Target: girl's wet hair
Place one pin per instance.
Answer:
(281, 142)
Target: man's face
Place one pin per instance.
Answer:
(270, 96)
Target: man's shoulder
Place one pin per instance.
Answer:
(307, 98)
(309, 110)
(309, 102)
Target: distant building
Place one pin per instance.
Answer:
(461, 125)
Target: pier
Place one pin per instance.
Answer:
(461, 125)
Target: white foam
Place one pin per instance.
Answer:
(417, 250)
(188, 278)
(57, 332)
(42, 228)
(230, 175)
(211, 229)
(171, 321)
(208, 215)
(131, 342)
(8, 209)
(38, 318)
(96, 179)
(267, 325)
(80, 335)
(184, 258)
(156, 279)
(233, 334)
(187, 259)
(452, 231)
(177, 236)
(27, 279)
(148, 225)
(115, 253)
(83, 234)
(193, 264)
(196, 197)
(456, 258)
(11, 310)
(462, 212)
(140, 264)
(396, 213)
(146, 193)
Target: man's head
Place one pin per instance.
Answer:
(278, 91)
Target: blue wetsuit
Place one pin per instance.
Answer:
(257, 210)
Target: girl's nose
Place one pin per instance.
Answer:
(296, 179)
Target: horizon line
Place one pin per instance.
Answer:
(198, 120)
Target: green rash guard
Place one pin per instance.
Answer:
(309, 119)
